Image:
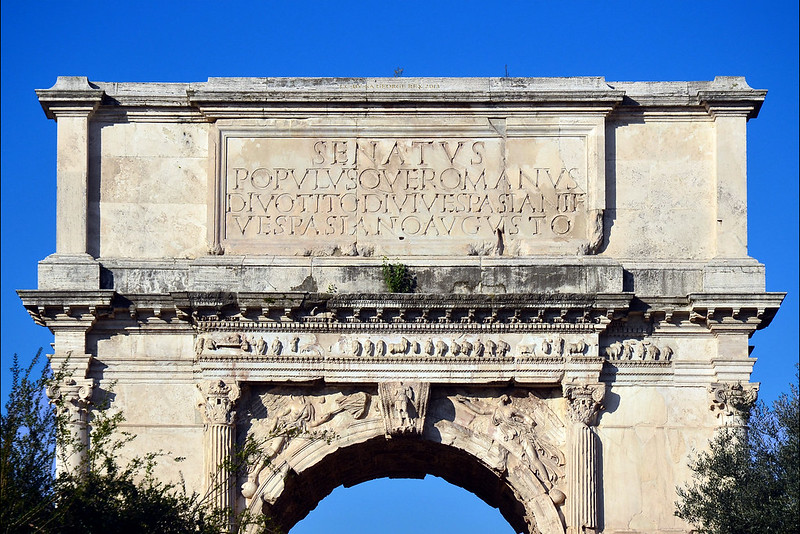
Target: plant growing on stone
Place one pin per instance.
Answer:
(104, 492)
(398, 277)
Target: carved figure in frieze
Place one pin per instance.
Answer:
(526, 350)
(204, 342)
(369, 347)
(491, 348)
(638, 350)
(455, 348)
(578, 347)
(380, 348)
(276, 347)
(261, 346)
(355, 348)
(244, 344)
(557, 347)
(311, 349)
(503, 348)
(295, 346)
(199, 344)
(231, 340)
(399, 348)
(479, 349)
(652, 352)
(429, 348)
(466, 348)
(614, 351)
(441, 348)
(516, 424)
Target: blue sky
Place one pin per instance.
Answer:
(190, 41)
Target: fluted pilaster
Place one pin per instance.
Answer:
(585, 402)
(218, 399)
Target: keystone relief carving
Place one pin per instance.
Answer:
(403, 405)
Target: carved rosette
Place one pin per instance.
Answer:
(403, 405)
(731, 401)
(217, 402)
(585, 401)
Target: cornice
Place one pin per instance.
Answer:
(220, 98)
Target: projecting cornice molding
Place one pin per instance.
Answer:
(251, 97)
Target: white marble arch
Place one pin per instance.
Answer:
(300, 477)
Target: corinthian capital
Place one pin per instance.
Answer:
(732, 400)
(217, 401)
(585, 401)
(71, 398)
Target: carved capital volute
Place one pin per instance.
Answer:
(732, 400)
(72, 398)
(217, 400)
(585, 401)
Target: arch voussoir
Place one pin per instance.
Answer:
(480, 443)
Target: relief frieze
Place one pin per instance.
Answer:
(472, 347)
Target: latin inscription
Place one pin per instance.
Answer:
(389, 194)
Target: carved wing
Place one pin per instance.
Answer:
(355, 404)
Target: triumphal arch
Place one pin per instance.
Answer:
(577, 249)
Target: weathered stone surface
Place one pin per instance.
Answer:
(583, 301)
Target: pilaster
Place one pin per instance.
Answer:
(216, 405)
(72, 399)
(71, 102)
(730, 113)
(585, 402)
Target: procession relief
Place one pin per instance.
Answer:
(435, 346)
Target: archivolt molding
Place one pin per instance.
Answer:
(515, 434)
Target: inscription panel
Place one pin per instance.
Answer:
(290, 192)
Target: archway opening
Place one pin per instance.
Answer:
(401, 457)
(398, 506)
